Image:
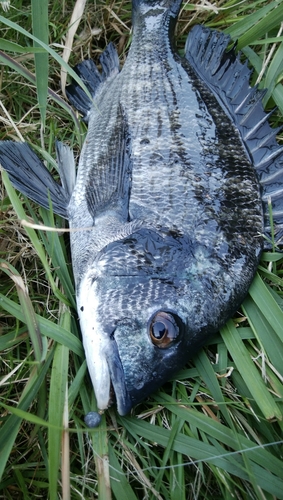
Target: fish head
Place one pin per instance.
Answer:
(142, 316)
(133, 342)
(152, 347)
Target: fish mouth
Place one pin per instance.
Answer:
(106, 372)
(117, 377)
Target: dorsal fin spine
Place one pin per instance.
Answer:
(269, 158)
(275, 195)
(270, 178)
(257, 126)
(245, 100)
(266, 139)
(251, 110)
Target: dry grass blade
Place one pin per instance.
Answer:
(73, 26)
(40, 31)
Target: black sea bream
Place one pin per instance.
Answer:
(174, 178)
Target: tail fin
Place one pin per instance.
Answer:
(145, 6)
(166, 10)
(29, 175)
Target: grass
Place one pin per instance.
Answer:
(215, 431)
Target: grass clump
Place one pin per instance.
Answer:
(215, 431)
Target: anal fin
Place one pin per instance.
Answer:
(93, 79)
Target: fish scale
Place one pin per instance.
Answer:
(172, 185)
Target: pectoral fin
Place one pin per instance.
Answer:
(30, 176)
(109, 181)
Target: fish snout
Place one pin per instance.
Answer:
(106, 372)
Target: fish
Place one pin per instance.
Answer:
(173, 188)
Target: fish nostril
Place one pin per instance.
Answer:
(139, 383)
(145, 141)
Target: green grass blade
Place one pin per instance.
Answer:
(52, 52)
(77, 383)
(119, 483)
(38, 342)
(267, 337)
(47, 327)
(278, 96)
(100, 446)
(256, 24)
(249, 373)
(29, 417)
(208, 374)
(9, 46)
(198, 450)
(22, 485)
(10, 428)
(56, 405)
(274, 72)
(55, 247)
(265, 302)
(40, 31)
(226, 436)
(168, 455)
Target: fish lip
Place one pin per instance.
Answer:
(123, 399)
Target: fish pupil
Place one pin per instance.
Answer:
(158, 330)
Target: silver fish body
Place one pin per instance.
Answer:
(173, 179)
(181, 236)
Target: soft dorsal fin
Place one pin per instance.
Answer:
(93, 79)
(228, 79)
(30, 176)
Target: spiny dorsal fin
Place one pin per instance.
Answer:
(30, 176)
(93, 79)
(228, 79)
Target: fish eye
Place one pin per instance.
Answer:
(163, 329)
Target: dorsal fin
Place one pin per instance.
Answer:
(93, 79)
(228, 79)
